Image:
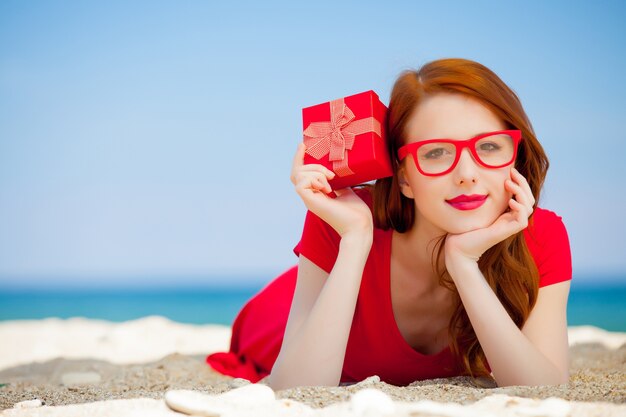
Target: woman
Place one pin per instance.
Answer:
(446, 268)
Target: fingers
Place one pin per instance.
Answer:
(520, 213)
(298, 165)
(521, 181)
(517, 191)
(321, 184)
(298, 161)
(518, 186)
(315, 180)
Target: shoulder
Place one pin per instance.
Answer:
(546, 216)
(548, 242)
(543, 224)
(365, 192)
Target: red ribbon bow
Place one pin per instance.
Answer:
(337, 136)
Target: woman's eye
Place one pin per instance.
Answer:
(489, 146)
(434, 153)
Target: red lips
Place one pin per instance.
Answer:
(467, 198)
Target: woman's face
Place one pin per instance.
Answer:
(458, 117)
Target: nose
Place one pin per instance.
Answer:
(466, 170)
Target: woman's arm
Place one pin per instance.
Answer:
(316, 336)
(535, 355)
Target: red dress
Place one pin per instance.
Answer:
(375, 345)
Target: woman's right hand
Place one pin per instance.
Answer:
(346, 214)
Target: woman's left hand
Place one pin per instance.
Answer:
(471, 245)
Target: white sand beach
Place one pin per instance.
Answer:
(153, 366)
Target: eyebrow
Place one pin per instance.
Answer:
(483, 133)
(473, 136)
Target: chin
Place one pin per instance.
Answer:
(471, 224)
(459, 229)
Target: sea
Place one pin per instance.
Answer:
(590, 303)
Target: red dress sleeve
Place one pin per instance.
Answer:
(319, 242)
(548, 242)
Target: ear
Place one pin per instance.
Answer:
(403, 182)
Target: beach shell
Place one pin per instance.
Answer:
(193, 402)
(371, 402)
(29, 404)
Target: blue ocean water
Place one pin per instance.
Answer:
(599, 305)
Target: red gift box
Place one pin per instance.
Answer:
(347, 136)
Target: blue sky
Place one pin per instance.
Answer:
(151, 142)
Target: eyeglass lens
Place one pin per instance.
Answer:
(494, 150)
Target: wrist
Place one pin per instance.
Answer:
(361, 239)
(458, 264)
(455, 255)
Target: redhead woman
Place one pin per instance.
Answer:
(447, 268)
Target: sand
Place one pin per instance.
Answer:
(90, 367)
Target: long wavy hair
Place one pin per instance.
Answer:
(508, 266)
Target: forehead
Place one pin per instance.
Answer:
(452, 116)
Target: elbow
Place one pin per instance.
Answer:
(276, 383)
(557, 378)
(561, 378)
(564, 378)
(270, 382)
(277, 379)
(281, 377)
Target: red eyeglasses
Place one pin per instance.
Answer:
(434, 157)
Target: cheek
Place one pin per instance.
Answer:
(430, 198)
(426, 190)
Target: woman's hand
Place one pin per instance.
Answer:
(471, 245)
(347, 213)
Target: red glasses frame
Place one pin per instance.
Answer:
(411, 149)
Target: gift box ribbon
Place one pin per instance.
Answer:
(337, 136)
